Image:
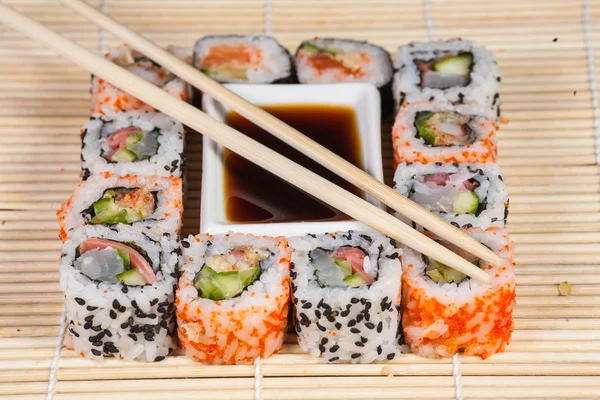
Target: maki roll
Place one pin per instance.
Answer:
(132, 142)
(243, 59)
(119, 290)
(457, 71)
(325, 60)
(464, 195)
(151, 204)
(437, 131)
(108, 100)
(233, 297)
(346, 295)
(445, 311)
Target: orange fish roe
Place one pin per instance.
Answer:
(239, 329)
(477, 319)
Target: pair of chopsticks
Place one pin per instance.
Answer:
(257, 153)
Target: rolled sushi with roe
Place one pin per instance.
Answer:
(108, 100)
(446, 312)
(346, 296)
(233, 297)
(119, 288)
(457, 71)
(151, 204)
(466, 195)
(430, 132)
(243, 59)
(134, 143)
(329, 60)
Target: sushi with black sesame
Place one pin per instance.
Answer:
(109, 100)
(346, 296)
(457, 71)
(135, 143)
(427, 132)
(465, 195)
(243, 59)
(233, 297)
(152, 204)
(119, 288)
(329, 60)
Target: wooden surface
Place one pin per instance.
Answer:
(547, 152)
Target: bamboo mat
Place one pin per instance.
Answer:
(548, 50)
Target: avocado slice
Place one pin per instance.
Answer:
(104, 204)
(465, 202)
(134, 138)
(124, 155)
(355, 280)
(454, 65)
(223, 285)
(345, 265)
(131, 277)
(426, 132)
(123, 255)
(124, 216)
(316, 49)
(441, 272)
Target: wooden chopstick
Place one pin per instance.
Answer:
(259, 154)
(289, 135)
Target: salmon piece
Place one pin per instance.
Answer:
(226, 54)
(356, 258)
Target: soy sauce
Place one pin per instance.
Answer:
(254, 195)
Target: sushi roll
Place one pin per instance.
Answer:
(132, 142)
(457, 71)
(243, 59)
(119, 288)
(429, 132)
(152, 204)
(108, 100)
(233, 297)
(446, 312)
(325, 60)
(346, 296)
(465, 195)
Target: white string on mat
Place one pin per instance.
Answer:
(102, 36)
(268, 12)
(587, 38)
(428, 19)
(57, 349)
(257, 379)
(457, 377)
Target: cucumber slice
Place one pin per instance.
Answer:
(465, 202)
(123, 155)
(248, 276)
(134, 138)
(223, 285)
(123, 255)
(441, 272)
(124, 216)
(316, 49)
(355, 280)
(104, 204)
(345, 265)
(454, 65)
(425, 131)
(131, 277)
(227, 73)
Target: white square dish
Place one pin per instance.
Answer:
(363, 98)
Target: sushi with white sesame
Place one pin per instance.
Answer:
(457, 71)
(119, 288)
(133, 142)
(465, 195)
(152, 204)
(346, 296)
(233, 297)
